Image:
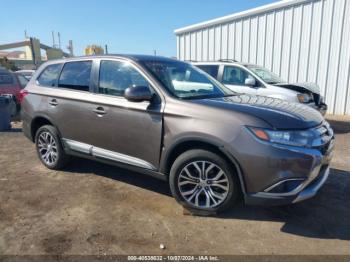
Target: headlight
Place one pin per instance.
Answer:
(294, 138)
(304, 98)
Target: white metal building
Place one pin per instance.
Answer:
(300, 40)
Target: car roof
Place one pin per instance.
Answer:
(137, 58)
(223, 62)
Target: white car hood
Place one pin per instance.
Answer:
(307, 86)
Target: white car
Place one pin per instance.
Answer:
(257, 80)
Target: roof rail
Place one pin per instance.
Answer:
(228, 60)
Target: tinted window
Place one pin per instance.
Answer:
(49, 76)
(116, 76)
(76, 75)
(234, 76)
(6, 78)
(210, 69)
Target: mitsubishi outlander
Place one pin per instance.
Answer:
(169, 119)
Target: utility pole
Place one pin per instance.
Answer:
(106, 49)
(155, 52)
(70, 47)
(59, 40)
(53, 39)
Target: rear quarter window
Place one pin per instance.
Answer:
(210, 69)
(49, 75)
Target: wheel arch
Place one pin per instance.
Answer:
(196, 143)
(38, 122)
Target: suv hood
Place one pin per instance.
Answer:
(278, 113)
(301, 87)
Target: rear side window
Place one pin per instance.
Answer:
(6, 78)
(49, 76)
(76, 75)
(210, 69)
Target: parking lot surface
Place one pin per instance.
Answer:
(92, 208)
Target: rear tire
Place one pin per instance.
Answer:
(49, 148)
(203, 180)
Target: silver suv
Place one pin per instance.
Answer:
(168, 119)
(256, 80)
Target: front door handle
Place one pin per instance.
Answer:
(100, 111)
(53, 102)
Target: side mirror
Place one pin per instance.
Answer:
(138, 94)
(250, 81)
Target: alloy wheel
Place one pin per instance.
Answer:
(47, 148)
(203, 184)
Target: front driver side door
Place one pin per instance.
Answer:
(234, 78)
(129, 132)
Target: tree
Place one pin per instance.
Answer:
(4, 62)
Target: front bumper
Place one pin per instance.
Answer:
(321, 107)
(268, 170)
(309, 191)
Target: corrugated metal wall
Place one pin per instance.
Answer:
(305, 41)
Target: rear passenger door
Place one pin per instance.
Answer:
(124, 131)
(68, 99)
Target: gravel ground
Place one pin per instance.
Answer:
(91, 208)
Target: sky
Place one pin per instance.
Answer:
(126, 26)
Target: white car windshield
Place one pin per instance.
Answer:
(266, 75)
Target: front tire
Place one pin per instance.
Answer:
(49, 148)
(203, 180)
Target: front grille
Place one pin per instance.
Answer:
(324, 148)
(316, 98)
(326, 135)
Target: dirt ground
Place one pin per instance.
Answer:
(91, 208)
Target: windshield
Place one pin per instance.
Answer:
(266, 75)
(186, 81)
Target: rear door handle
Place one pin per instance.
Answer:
(53, 102)
(100, 111)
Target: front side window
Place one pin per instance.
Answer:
(49, 76)
(184, 80)
(116, 77)
(234, 76)
(76, 75)
(210, 69)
